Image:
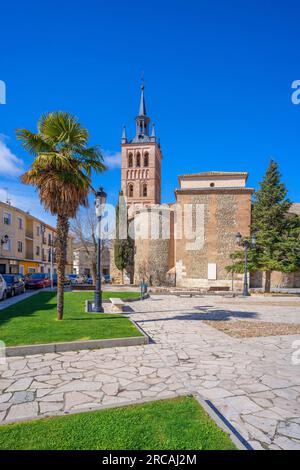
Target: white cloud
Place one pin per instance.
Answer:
(112, 159)
(10, 165)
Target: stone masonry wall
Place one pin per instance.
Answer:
(225, 213)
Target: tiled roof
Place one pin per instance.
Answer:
(216, 173)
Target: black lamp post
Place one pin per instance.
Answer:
(100, 200)
(246, 244)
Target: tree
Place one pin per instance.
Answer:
(84, 228)
(123, 247)
(61, 173)
(277, 231)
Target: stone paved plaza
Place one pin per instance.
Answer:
(252, 381)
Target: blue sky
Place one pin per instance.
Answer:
(218, 81)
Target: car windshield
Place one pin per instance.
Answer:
(8, 278)
(38, 276)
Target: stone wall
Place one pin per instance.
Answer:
(278, 280)
(154, 252)
(225, 212)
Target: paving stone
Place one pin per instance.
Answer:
(286, 444)
(256, 445)
(20, 385)
(35, 385)
(255, 387)
(111, 388)
(218, 393)
(78, 385)
(105, 378)
(52, 397)
(22, 397)
(289, 430)
(50, 407)
(137, 386)
(23, 411)
(17, 365)
(114, 400)
(266, 425)
(4, 406)
(5, 397)
(4, 383)
(42, 392)
(131, 395)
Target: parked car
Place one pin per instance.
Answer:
(73, 278)
(37, 281)
(15, 284)
(81, 279)
(3, 288)
(67, 281)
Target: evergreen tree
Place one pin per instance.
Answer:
(124, 247)
(277, 231)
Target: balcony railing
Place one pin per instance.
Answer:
(29, 233)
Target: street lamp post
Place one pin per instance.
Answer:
(100, 200)
(51, 253)
(246, 244)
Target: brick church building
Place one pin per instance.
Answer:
(186, 243)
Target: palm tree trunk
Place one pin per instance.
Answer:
(268, 281)
(62, 239)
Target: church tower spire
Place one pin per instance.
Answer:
(141, 161)
(142, 120)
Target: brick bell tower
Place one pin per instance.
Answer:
(141, 162)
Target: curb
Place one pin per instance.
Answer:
(77, 345)
(211, 410)
(223, 423)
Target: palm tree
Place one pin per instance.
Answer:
(61, 173)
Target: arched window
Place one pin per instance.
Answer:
(138, 159)
(146, 159)
(130, 160)
(130, 190)
(144, 190)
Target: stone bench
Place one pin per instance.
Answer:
(218, 289)
(117, 304)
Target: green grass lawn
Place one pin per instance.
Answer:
(175, 424)
(33, 320)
